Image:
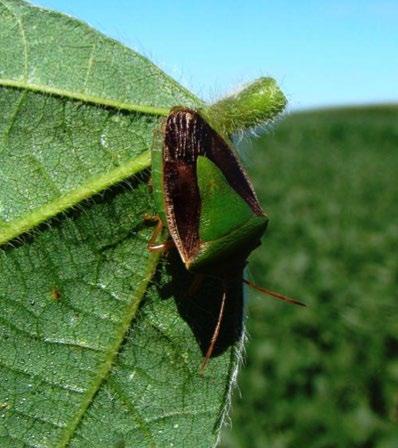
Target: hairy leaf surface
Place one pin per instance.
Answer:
(100, 341)
(78, 111)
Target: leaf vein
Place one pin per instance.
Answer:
(81, 96)
(171, 342)
(19, 305)
(38, 419)
(132, 409)
(26, 443)
(79, 345)
(23, 37)
(104, 370)
(12, 229)
(180, 414)
(13, 118)
(68, 388)
(90, 64)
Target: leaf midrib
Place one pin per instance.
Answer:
(90, 99)
(12, 229)
(111, 353)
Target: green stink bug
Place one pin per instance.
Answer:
(206, 200)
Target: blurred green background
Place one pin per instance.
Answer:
(325, 376)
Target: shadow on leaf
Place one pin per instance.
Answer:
(198, 302)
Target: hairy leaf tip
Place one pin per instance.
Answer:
(252, 106)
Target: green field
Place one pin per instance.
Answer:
(325, 376)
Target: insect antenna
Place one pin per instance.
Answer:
(216, 333)
(274, 294)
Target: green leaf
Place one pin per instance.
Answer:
(100, 342)
(79, 116)
(81, 364)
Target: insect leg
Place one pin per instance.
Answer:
(153, 245)
(215, 333)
